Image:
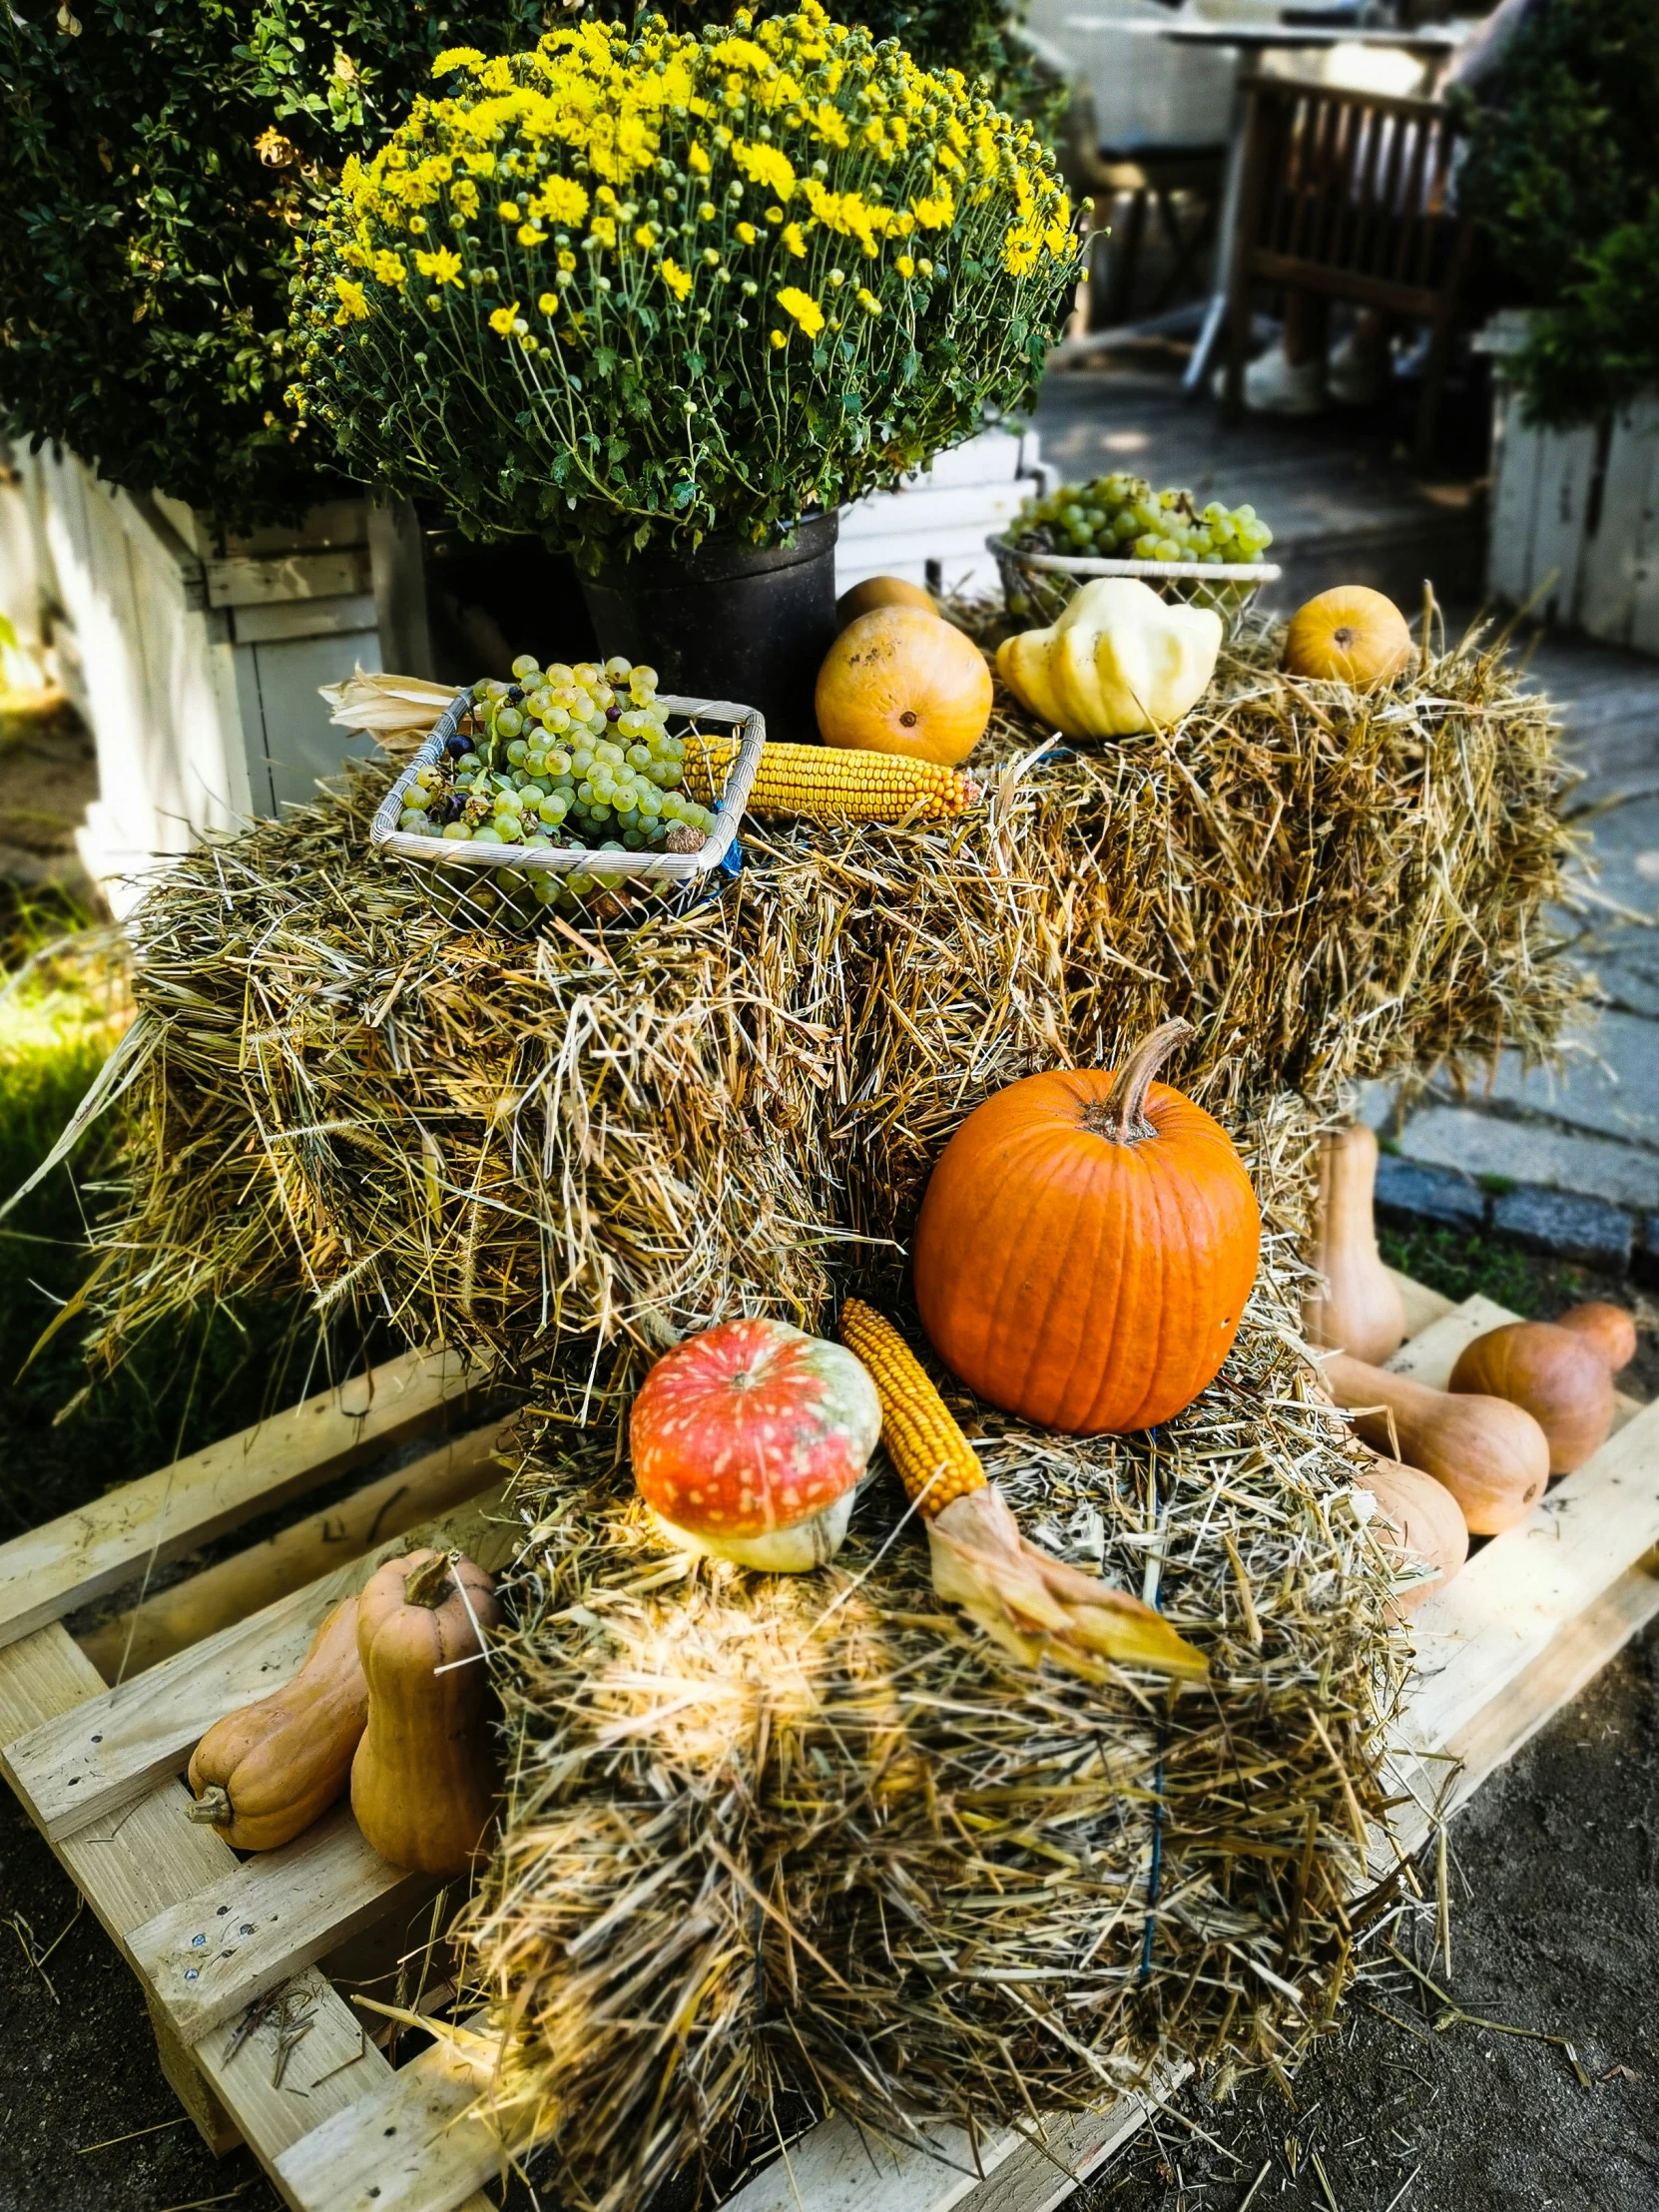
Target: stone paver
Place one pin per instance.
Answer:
(1567, 1226)
(1609, 1081)
(1529, 1152)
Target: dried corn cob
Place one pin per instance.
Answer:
(830, 784)
(936, 1461)
(1030, 1602)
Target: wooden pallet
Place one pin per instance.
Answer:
(235, 1955)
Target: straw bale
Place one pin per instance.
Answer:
(785, 1839)
(515, 1143)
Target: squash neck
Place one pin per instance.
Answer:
(1121, 1116)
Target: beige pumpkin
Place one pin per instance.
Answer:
(1357, 1305)
(1492, 1456)
(1118, 661)
(1560, 1377)
(881, 591)
(1418, 1517)
(900, 680)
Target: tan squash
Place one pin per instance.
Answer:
(1419, 1516)
(1360, 1309)
(881, 591)
(266, 1772)
(1492, 1456)
(1558, 1374)
(1351, 635)
(1609, 1328)
(423, 1781)
(899, 679)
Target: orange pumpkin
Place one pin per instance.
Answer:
(1351, 635)
(881, 591)
(1086, 1246)
(899, 679)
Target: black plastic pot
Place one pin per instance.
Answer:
(729, 621)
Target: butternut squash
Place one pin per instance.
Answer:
(266, 1772)
(423, 1780)
(1492, 1456)
(1558, 1374)
(1360, 1309)
(1418, 1517)
(1609, 1328)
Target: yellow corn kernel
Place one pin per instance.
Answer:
(936, 1461)
(825, 783)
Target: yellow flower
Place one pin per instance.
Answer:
(508, 210)
(906, 266)
(869, 302)
(455, 57)
(804, 307)
(677, 279)
(764, 165)
(603, 227)
(779, 341)
(444, 267)
(792, 238)
(388, 268)
(463, 196)
(567, 260)
(501, 322)
(353, 304)
(697, 161)
(548, 304)
(646, 235)
(561, 201)
(528, 234)
(748, 233)
(937, 208)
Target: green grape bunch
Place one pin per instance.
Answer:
(576, 756)
(1121, 518)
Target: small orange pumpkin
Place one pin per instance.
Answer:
(1351, 635)
(1086, 1247)
(900, 680)
(881, 591)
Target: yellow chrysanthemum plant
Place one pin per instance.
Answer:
(636, 287)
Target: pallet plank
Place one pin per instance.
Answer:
(86, 1764)
(1040, 2177)
(153, 1856)
(1422, 1305)
(1430, 1357)
(174, 1618)
(412, 2146)
(82, 1556)
(209, 1958)
(838, 2166)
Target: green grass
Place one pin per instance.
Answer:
(1458, 1262)
(63, 1438)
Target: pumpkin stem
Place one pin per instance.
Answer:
(213, 1808)
(429, 1583)
(1122, 1118)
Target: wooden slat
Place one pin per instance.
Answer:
(1568, 1664)
(1430, 1355)
(209, 1958)
(70, 1562)
(408, 2146)
(174, 1618)
(840, 2167)
(153, 1856)
(1423, 1304)
(85, 1765)
(1037, 2179)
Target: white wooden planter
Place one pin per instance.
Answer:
(195, 660)
(1576, 520)
(943, 515)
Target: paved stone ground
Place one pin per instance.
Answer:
(1566, 1161)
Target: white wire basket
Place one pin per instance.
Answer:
(492, 886)
(1037, 587)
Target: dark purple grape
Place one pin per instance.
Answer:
(457, 745)
(613, 714)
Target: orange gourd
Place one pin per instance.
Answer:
(266, 1772)
(1558, 1374)
(1351, 635)
(1086, 1245)
(1359, 1307)
(881, 591)
(1492, 1456)
(900, 680)
(1609, 1328)
(423, 1781)
(1419, 1516)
